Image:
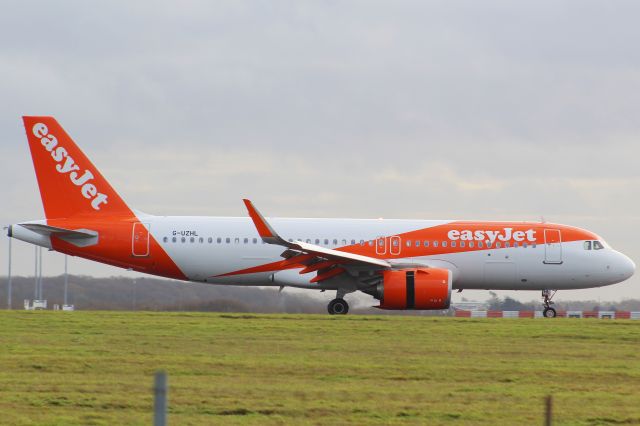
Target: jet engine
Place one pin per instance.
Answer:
(420, 288)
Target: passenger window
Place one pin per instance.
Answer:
(353, 242)
(498, 245)
(515, 245)
(480, 244)
(381, 242)
(597, 245)
(370, 243)
(237, 240)
(317, 241)
(255, 241)
(218, 240)
(201, 240)
(462, 244)
(344, 242)
(417, 243)
(174, 239)
(426, 243)
(335, 242)
(395, 242)
(435, 244)
(444, 244)
(534, 245)
(507, 244)
(408, 243)
(227, 240)
(361, 242)
(210, 240)
(524, 245)
(471, 244)
(183, 239)
(165, 239)
(246, 241)
(453, 243)
(326, 242)
(308, 241)
(192, 240)
(587, 245)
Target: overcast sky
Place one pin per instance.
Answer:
(397, 109)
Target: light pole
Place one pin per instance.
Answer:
(40, 296)
(35, 274)
(66, 281)
(134, 294)
(9, 271)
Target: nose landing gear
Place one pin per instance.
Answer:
(548, 311)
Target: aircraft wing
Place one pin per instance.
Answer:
(315, 258)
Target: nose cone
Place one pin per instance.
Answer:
(626, 267)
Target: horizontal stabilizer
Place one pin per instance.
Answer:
(77, 237)
(59, 232)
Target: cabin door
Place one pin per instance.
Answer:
(140, 239)
(552, 246)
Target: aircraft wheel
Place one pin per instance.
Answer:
(549, 313)
(338, 307)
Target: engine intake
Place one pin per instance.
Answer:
(420, 288)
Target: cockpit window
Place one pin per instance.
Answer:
(595, 245)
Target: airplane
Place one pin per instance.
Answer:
(405, 264)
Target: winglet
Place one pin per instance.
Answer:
(265, 230)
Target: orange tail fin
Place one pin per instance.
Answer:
(70, 185)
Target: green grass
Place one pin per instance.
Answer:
(97, 368)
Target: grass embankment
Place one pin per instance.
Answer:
(97, 368)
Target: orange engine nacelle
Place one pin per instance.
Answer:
(426, 288)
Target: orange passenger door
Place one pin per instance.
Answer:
(140, 239)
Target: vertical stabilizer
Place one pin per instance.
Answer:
(70, 185)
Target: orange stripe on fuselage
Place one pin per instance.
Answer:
(440, 233)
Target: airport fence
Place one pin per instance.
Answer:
(538, 314)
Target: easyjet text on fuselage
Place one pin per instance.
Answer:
(506, 234)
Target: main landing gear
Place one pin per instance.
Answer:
(548, 311)
(339, 306)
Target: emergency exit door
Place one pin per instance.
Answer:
(392, 245)
(140, 239)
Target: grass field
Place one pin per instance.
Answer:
(97, 368)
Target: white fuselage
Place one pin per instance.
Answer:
(207, 247)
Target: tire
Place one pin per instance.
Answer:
(549, 313)
(338, 307)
